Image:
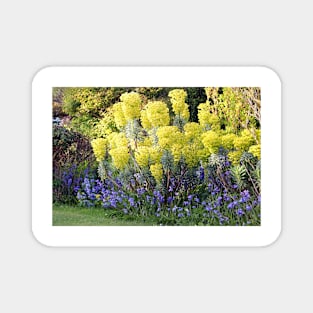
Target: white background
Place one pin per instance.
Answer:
(35, 34)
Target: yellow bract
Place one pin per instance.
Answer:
(192, 131)
(117, 140)
(211, 142)
(99, 147)
(155, 114)
(228, 141)
(168, 136)
(179, 106)
(147, 155)
(256, 151)
(119, 116)
(120, 157)
(157, 171)
(244, 141)
(207, 119)
(131, 105)
(142, 156)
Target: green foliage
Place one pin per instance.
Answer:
(239, 174)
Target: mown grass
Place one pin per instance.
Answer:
(66, 215)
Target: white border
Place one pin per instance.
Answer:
(147, 236)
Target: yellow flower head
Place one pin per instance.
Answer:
(131, 105)
(155, 114)
(191, 153)
(207, 119)
(211, 141)
(119, 116)
(228, 141)
(99, 147)
(157, 171)
(234, 156)
(244, 141)
(256, 151)
(178, 97)
(168, 136)
(117, 140)
(120, 157)
(146, 156)
(142, 156)
(192, 131)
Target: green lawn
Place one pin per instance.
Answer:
(66, 215)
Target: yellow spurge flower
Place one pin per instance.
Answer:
(191, 154)
(131, 105)
(157, 171)
(99, 147)
(169, 135)
(147, 142)
(177, 152)
(185, 113)
(211, 141)
(117, 140)
(234, 156)
(142, 156)
(155, 114)
(120, 157)
(227, 141)
(256, 151)
(207, 119)
(155, 154)
(147, 155)
(244, 141)
(119, 116)
(144, 120)
(192, 131)
(178, 97)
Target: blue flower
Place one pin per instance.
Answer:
(245, 196)
(240, 212)
(248, 207)
(201, 173)
(232, 204)
(180, 215)
(208, 208)
(131, 201)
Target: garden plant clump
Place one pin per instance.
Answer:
(157, 160)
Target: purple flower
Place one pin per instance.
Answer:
(201, 173)
(248, 207)
(125, 211)
(180, 215)
(131, 201)
(232, 204)
(245, 196)
(208, 208)
(240, 212)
